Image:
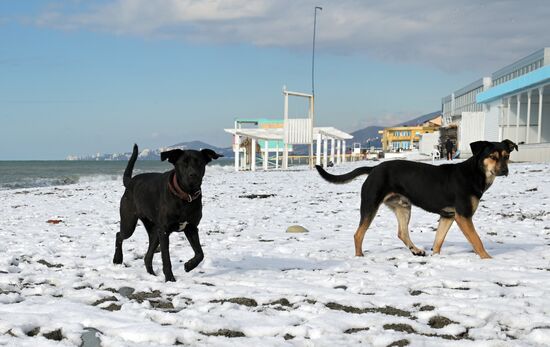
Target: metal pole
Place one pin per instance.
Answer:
(313, 54)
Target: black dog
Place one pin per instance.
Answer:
(165, 202)
(453, 191)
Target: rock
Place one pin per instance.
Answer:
(142, 296)
(33, 332)
(105, 299)
(54, 221)
(126, 291)
(55, 335)
(90, 338)
(224, 332)
(112, 307)
(296, 229)
(438, 322)
(257, 196)
(240, 301)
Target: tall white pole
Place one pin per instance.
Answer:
(253, 155)
(332, 150)
(338, 151)
(341, 152)
(286, 135)
(266, 153)
(277, 156)
(313, 51)
(236, 148)
(344, 150)
(508, 118)
(528, 123)
(539, 133)
(518, 99)
(501, 122)
(319, 144)
(311, 114)
(325, 151)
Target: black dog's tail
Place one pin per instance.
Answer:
(128, 172)
(345, 178)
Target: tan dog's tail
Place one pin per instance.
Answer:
(345, 178)
(130, 167)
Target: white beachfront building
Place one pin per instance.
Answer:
(511, 104)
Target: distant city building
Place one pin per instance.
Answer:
(514, 103)
(407, 136)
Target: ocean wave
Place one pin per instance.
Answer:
(40, 182)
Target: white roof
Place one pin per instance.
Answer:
(258, 133)
(278, 134)
(332, 132)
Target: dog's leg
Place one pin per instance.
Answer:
(192, 234)
(467, 226)
(153, 244)
(128, 222)
(401, 207)
(442, 229)
(360, 233)
(403, 215)
(165, 252)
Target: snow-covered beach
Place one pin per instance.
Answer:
(260, 286)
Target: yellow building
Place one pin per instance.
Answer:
(406, 136)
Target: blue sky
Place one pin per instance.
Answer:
(80, 77)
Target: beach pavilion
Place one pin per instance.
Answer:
(330, 144)
(276, 136)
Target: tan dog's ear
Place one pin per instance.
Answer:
(511, 146)
(172, 155)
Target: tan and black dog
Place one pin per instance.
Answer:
(451, 190)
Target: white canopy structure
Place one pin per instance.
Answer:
(321, 135)
(294, 131)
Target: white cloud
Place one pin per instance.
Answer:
(467, 34)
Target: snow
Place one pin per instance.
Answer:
(60, 276)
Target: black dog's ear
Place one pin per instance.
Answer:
(210, 154)
(511, 146)
(478, 146)
(172, 155)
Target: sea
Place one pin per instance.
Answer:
(32, 174)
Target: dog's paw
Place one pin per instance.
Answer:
(190, 265)
(170, 278)
(418, 252)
